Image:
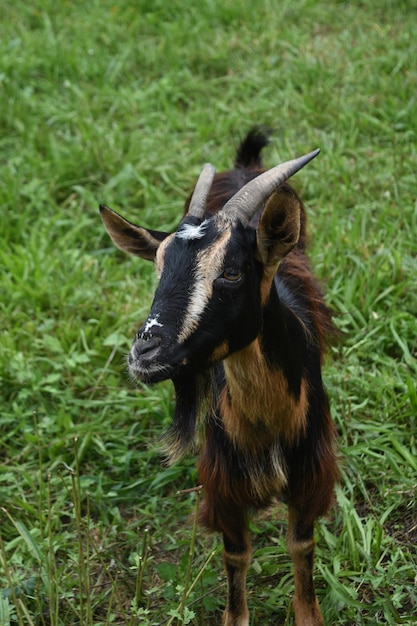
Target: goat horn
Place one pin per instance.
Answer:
(199, 198)
(245, 203)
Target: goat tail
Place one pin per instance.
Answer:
(248, 154)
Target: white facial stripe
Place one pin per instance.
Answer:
(160, 254)
(208, 267)
(190, 231)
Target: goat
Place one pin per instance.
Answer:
(239, 324)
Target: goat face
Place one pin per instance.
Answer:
(207, 303)
(214, 273)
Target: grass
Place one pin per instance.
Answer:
(122, 103)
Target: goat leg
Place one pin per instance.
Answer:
(300, 542)
(236, 559)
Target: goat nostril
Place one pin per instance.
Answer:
(144, 346)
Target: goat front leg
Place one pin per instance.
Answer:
(236, 557)
(300, 542)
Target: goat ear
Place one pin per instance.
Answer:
(129, 237)
(279, 227)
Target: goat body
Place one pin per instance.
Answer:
(239, 324)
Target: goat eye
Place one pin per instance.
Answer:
(232, 274)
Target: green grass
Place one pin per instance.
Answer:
(122, 103)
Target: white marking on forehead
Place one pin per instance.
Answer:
(208, 267)
(191, 231)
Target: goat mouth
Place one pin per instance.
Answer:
(153, 365)
(144, 359)
(149, 373)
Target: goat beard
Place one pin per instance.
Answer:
(195, 401)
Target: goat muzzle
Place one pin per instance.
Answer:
(146, 347)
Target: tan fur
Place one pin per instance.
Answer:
(220, 352)
(160, 254)
(209, 266)
(306, 607)
(277, 234)
(236, 566)
(279, 228)
(261, 406)
(266, 283)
